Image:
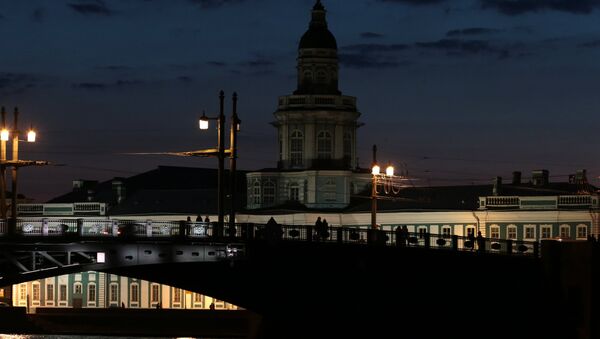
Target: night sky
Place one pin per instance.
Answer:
(454, 92)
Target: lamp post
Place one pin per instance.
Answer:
(220, 153)
(376, 173)
(14, 163)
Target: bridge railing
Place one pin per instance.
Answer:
(199, 230)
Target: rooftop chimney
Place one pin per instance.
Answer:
(539, 177)
(497, 185)
(516, 178)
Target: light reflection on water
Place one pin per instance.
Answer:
(49, 336)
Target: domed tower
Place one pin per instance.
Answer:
(317, 125)
(317, 57)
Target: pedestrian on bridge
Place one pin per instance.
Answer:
(318, 228)
(480, 242)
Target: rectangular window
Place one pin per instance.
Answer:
(329, 193)
(22, 291)
(77, 288)
(511, 232)
(92, 293)
(62, 292)
(495, 232)
(135, 294)
(114, 293)
(446, 232)
(529, 232)
(176, 295)
(154, 296)
(49, 292)
(546, 232)
(36, 292)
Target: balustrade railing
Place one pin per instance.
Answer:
(150, 229)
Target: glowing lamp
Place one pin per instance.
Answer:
(375, 170)
(4, 134)
(31, 136)
(389, 171)
(203, 121)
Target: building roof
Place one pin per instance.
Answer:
(165, 190)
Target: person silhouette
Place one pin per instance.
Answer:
(400, 236)
(318, 227)
(405, 235)
(480, 242)
(324, 229)
(189, 218)
(198, 218)
(206, 219)
(471, 239)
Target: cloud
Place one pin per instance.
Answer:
(414, 2)
(185, 79)
(90, 85)
(259, 62)
(103, 85)
(114, 68)
(38, 15)
(590, 44)
(209, 4)
(472, 31)
(371, 55)
(17, 82)
(375, 48)
(516, 7)
(457, 47)
(216, 63)
(370, 35)
(361, 61)
(97, 7)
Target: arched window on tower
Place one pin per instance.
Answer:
(269, 193)
(324, 145)
(307, 76)
(321, 76)
(296, 148)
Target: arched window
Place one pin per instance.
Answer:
(321, 76)
(134, 294)
(91, 294)
(296, 148)
(256, 193)
(565, 231)
(582, 231)
(269, 193)
(307, 76)
(113, 295)
(324, 145)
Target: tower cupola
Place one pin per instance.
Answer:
(317, 57)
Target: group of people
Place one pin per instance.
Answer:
(479, 240)
(402, 235)
(321, 229)
(199, 219)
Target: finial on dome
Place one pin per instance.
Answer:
(318, 6)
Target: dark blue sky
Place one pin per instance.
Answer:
(455, 91)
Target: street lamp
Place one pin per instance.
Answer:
(203, 124)
(220, 152)
(14, 163)
(376, 174)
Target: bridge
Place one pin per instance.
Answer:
(344, 282)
